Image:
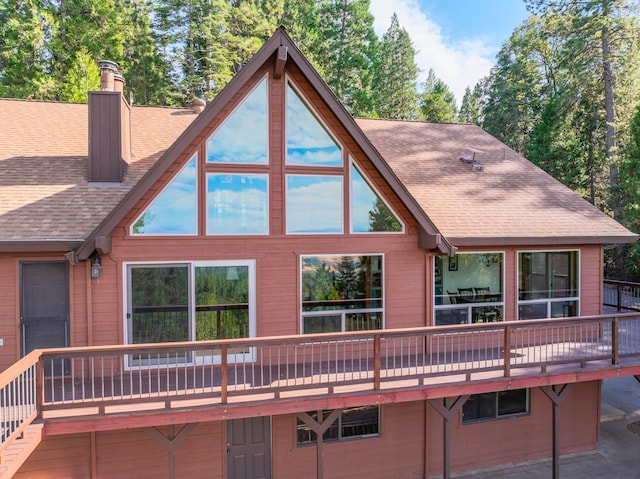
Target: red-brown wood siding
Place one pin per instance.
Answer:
(65, 457)
(399, 452)
(519, 438)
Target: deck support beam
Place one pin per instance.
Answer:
(170, 442)
(556, 393)
(448, 410)
(319, 428)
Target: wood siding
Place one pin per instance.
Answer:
(519, 438)
(408, 444)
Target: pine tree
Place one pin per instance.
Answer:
(515, 90)
(344, 52)
(472, 104)
(145, 69)
(598, 36)
(437, 102)
(395, 75)
(301, 18)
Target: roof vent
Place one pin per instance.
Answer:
(473, 163)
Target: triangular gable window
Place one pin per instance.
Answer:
(308, 142)
(369, 212)
(242, 138)
(174, 211)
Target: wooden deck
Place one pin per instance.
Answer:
(99, 388)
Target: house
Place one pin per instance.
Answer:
(271, 288)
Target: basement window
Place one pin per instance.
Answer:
(355, 422)
(498, 405)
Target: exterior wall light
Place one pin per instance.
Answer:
(96, 267)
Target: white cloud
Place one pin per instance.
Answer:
(458, 62)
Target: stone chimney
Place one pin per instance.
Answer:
(109, 126)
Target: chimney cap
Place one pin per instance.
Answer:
(108, 65)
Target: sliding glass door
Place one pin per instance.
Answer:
(194, 301)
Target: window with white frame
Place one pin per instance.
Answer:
(469, 288)
(341, 293)
(190, 301)
(548, 284)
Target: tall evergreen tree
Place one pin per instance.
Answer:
(145, 69)
(395, 75)
(514, 91)
(598, 36)
(472, 104)
(301, 18)
(344, 51)
(437, 102)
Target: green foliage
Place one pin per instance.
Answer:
(515, 89)
(437, 102)
(395, 75)
(381, 218)
(83, 77)
(344, 51)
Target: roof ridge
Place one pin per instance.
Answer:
(71, 103)
(422, 122)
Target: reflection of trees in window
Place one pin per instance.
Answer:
(159, 301)
(344, 278)
(369, 213)
(222, 302)
(382, 219)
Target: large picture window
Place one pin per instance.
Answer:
(341, 293)
(314, 204)
(548, 284)
(191, 301)
(369, 212)
(174, 211)
(237, 204)
(498, 405)
(352, 423)
(469, 288)
(308, 142)
(230, 142)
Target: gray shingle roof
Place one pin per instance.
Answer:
(509, 201)
(44, 192)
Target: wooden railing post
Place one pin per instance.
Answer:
(615, 342)
(376, 361)
(224, 380)
(40, 386)
(619, 296)
(507, 351)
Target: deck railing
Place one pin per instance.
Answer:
(106, 379)
(18, 397)
(622, 295)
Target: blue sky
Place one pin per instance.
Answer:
(459, 39)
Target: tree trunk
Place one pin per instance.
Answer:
(609, 105)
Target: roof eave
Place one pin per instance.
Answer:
(39, 245)
(466, 242)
